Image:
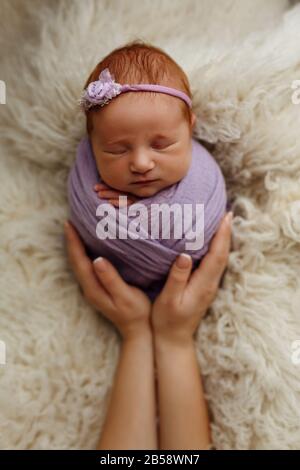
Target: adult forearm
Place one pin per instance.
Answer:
(131, 418)
(184, 421)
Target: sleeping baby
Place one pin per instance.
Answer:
(142, 190)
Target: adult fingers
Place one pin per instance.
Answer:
(76, 252)
(178, 277)
(111, 279)
(83, 269)
(214, 263)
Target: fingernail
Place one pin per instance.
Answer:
(100, 262)
(183, 260)
(228, 218)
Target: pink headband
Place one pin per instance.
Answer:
(103, 90)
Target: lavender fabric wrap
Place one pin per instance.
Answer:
(145, 262)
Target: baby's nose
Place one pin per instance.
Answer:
(141, 164)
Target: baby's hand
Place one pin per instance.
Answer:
(112, 195)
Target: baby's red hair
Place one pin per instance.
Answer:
(140, 62)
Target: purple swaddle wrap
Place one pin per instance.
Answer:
(145, 262)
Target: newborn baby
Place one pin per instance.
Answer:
(140, 146)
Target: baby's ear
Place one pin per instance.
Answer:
(193, 120)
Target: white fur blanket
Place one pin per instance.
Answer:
(241, 58)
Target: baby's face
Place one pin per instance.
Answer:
(134, 139)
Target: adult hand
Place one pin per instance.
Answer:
(182, 303)
(126, 306)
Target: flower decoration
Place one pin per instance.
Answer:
(101, 91)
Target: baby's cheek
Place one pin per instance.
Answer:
(114, 176)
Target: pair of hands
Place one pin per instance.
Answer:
(176, 312)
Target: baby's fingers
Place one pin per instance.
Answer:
(98, 186)
(121, 202)
(108, 193)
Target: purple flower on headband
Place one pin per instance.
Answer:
(100, 91)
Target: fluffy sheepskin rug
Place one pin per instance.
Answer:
(241, 58)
